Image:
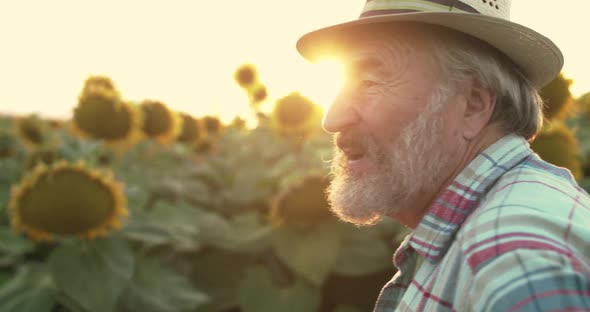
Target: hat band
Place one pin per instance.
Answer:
(386, 7)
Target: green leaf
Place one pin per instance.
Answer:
(363, 252)
(218, 273)
(93, 274)
(30, 290)
(311, 253)
(158, 289)
(243, 233)
(12, 246)
(258, 293)
(12, 243)
(174, 225)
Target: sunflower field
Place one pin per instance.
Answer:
(136, 207)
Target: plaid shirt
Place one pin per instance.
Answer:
(511, 233)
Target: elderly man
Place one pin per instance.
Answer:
(432, 129)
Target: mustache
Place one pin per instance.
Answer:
(351, 140)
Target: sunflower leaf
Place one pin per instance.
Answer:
(175, 225)
(218, 273)
(94, 274)
(13, 244)
(363, 252)
(311, 253)
(158, 289)
(30, 290)
(258, 293)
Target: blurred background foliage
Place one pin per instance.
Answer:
(137, 207)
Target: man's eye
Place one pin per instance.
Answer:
(367, 83)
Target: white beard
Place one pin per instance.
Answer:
(409, 167)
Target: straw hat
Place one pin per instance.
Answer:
(488, 20)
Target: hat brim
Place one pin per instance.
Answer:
(537, 57)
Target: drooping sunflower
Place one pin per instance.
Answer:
(557, 97)
(246, 76)
(558, 145)
(302, 205)
(31, 130)
(296, 115)
(65, 200)
(101, 114)
(160, 123)
(192, 129)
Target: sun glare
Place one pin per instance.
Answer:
(326, 79)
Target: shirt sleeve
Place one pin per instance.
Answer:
(521, 279)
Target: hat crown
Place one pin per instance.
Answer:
(494, 8)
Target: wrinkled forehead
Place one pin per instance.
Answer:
(386, 51)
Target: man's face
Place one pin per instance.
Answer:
(389, 122)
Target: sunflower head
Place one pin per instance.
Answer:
(101, 114)
(238, 123)
(258, 94)
(212, 125)
(44, 206)
(557, 97)
(303, 204)
(32, 130)
(246, 76)
(192, 129)
(558, 145)
(102, 82)
(160, 123)
(296, 115)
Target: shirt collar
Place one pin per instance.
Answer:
(435, 232)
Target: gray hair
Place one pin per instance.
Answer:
(519, 107)
(461, 58)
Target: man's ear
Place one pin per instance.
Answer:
(480, 104)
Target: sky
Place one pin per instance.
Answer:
(184, 53)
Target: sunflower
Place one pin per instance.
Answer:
(246, 76)
(192, 129)
(100, 82)
(258, 94)
(43, 205)
(160, 123)
(558, 145)
(102, 115)
(303, 204)
(213, 126)
(296, 115)
(238, 123)
(31, 130)
(557, 97)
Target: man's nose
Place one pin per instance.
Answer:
(341, 114)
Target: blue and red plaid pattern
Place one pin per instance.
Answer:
(511, 233)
